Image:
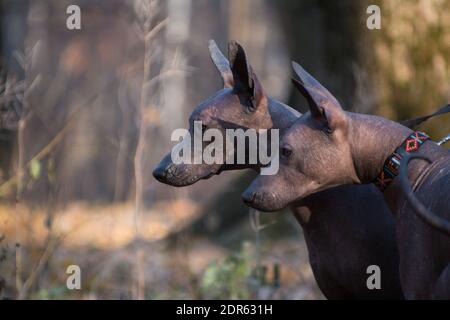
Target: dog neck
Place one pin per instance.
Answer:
(372, 140)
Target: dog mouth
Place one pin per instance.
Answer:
(262, 201)
(209, 175)
(182, 176)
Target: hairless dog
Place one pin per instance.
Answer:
(346, 229)
(329, 147)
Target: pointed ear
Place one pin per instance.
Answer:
(246, 84)
(322, 104)
(221, 64)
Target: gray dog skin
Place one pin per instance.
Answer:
(328, 147)
(346, 229)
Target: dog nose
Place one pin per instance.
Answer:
(160, 173)
(248, 197)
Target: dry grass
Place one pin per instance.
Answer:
(99, 238)
(103, 227)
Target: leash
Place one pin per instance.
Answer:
(429, 217)
(392, 164)
(412, 123)
(392, 168)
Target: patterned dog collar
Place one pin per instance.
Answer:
(390, 168)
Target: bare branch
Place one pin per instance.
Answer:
(156, 29)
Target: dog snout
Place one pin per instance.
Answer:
(254, 199)
(160, 173)
(248, 197)
(263, 201)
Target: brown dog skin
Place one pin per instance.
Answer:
(346, 229)
(425, 252)
(328, 147)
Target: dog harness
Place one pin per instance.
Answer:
(390, 168)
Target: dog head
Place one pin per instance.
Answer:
(315, 152)
(241, 103)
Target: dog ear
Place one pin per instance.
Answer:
(221, 64)
(246, 84)
(323, 105)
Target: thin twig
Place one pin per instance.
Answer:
(138, 158)
(50, 247)
(54, 142)
(156, 29)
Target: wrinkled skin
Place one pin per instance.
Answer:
(329, 147)
(346, 229)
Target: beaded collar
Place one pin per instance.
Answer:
(390, 168)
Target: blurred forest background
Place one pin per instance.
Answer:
(86, 114)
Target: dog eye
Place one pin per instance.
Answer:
(286, 152)
(251, 106)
